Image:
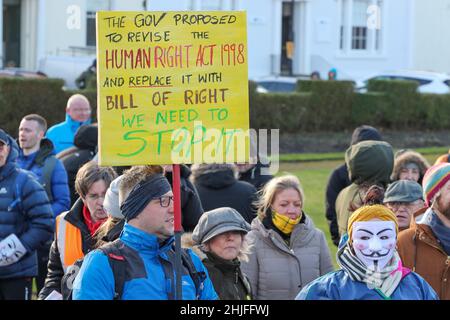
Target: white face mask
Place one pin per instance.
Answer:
(374, 242)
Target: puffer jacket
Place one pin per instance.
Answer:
(29, 217)
(55, 268)
(191, 206)
(277, 271)
(407, 157)
(95, 281)
(420, 251)
(62, 134)
(368, 162)
(59, 187)
(338, 286)
(218, 187)
(86, 139)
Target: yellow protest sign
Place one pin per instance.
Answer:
(172, 87)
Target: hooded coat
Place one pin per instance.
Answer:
(407, 157)
(28, 215)
(59, 183)
(277, 271)
(368, 163)
(339, 180)
(218, 187)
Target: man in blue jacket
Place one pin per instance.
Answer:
(36, 155)
(26, 222)
(78, 113)
(148, 241)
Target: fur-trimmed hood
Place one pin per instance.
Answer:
(408, 157)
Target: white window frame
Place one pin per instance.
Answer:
(371, 51)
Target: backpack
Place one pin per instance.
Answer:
(47, 172)
(122, 259)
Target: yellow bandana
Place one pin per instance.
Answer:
(284, 223)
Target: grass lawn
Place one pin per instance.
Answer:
(314, 177)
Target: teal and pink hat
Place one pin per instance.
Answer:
(435, 178)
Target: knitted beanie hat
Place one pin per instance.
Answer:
(435, 178)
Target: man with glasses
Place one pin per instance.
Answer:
(404, 198)
(146, 244)
(78, 113)
(26, 221)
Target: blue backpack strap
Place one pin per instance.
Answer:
(198, 277)
(125, 263)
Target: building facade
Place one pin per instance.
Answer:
(292, 37)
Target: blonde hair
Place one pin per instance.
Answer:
(243, 252)
(275, 186)
(103, 230)
(133, 176)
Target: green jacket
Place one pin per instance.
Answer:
(368, 163)
(227, 278)
(87, 80)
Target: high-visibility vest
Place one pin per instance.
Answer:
(69, 242)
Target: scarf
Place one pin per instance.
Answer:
(384, 282)
(92, 226)
(284, 223)
(441, 231)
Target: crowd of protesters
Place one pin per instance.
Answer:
(86, 232)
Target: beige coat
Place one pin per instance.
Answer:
(279, 272)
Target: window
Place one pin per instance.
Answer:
(211, 4)
(90, 28)
(92, 6)
(360, 26)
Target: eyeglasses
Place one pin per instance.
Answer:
(165, 201)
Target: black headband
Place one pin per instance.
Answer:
(144, 192)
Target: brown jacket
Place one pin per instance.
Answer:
(421, 252)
